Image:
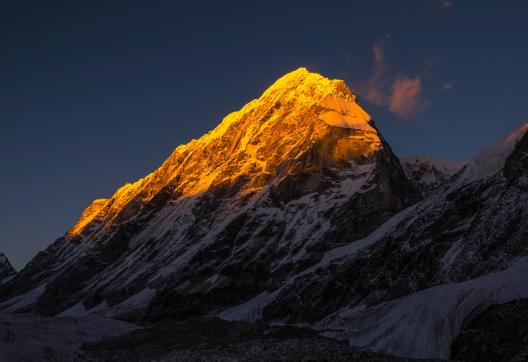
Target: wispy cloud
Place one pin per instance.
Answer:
(406, 98)
(373, 88)
(402, 95)
(444, 87)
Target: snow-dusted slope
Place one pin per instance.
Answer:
(36, 338)
(421, 273)
(428, 172)
(491, 159)
(423, 324)
(296, 172)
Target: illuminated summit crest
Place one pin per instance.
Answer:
(301, 114)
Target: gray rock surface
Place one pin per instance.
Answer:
(213, 339)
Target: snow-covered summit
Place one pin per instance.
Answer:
(428, 172)
(298, 111)
(491, 159)
(338, 104)
(268, 191)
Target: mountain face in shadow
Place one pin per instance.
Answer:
(293, 174)
(294, 210)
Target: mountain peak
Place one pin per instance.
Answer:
(309, 85)
(294, 172)
(337, 104)
(6, 269)
(299, 76)
(301, 115)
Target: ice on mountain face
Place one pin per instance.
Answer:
(428, 172)
(423, 325)
(88, 215)
(344, 113)
(240, 139)
(491, 159)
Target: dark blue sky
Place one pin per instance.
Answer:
(97, 93)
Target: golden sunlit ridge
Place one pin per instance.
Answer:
(301, 113)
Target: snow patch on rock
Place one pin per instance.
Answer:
(422, 325)
(344, 113)
(251, 310)
(22, 301)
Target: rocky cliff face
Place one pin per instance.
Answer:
(6, 269)
(294, 173)
(498, 333)
(443, 258)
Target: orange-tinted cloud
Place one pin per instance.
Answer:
(373, 89)
(403, 96)
(406, 97)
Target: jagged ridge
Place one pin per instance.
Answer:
(298, 171)
(6, 269)
(252, 142)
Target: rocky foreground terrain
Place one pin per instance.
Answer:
(26, 337)
(213, 339)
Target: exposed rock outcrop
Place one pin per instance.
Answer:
(6, 269)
